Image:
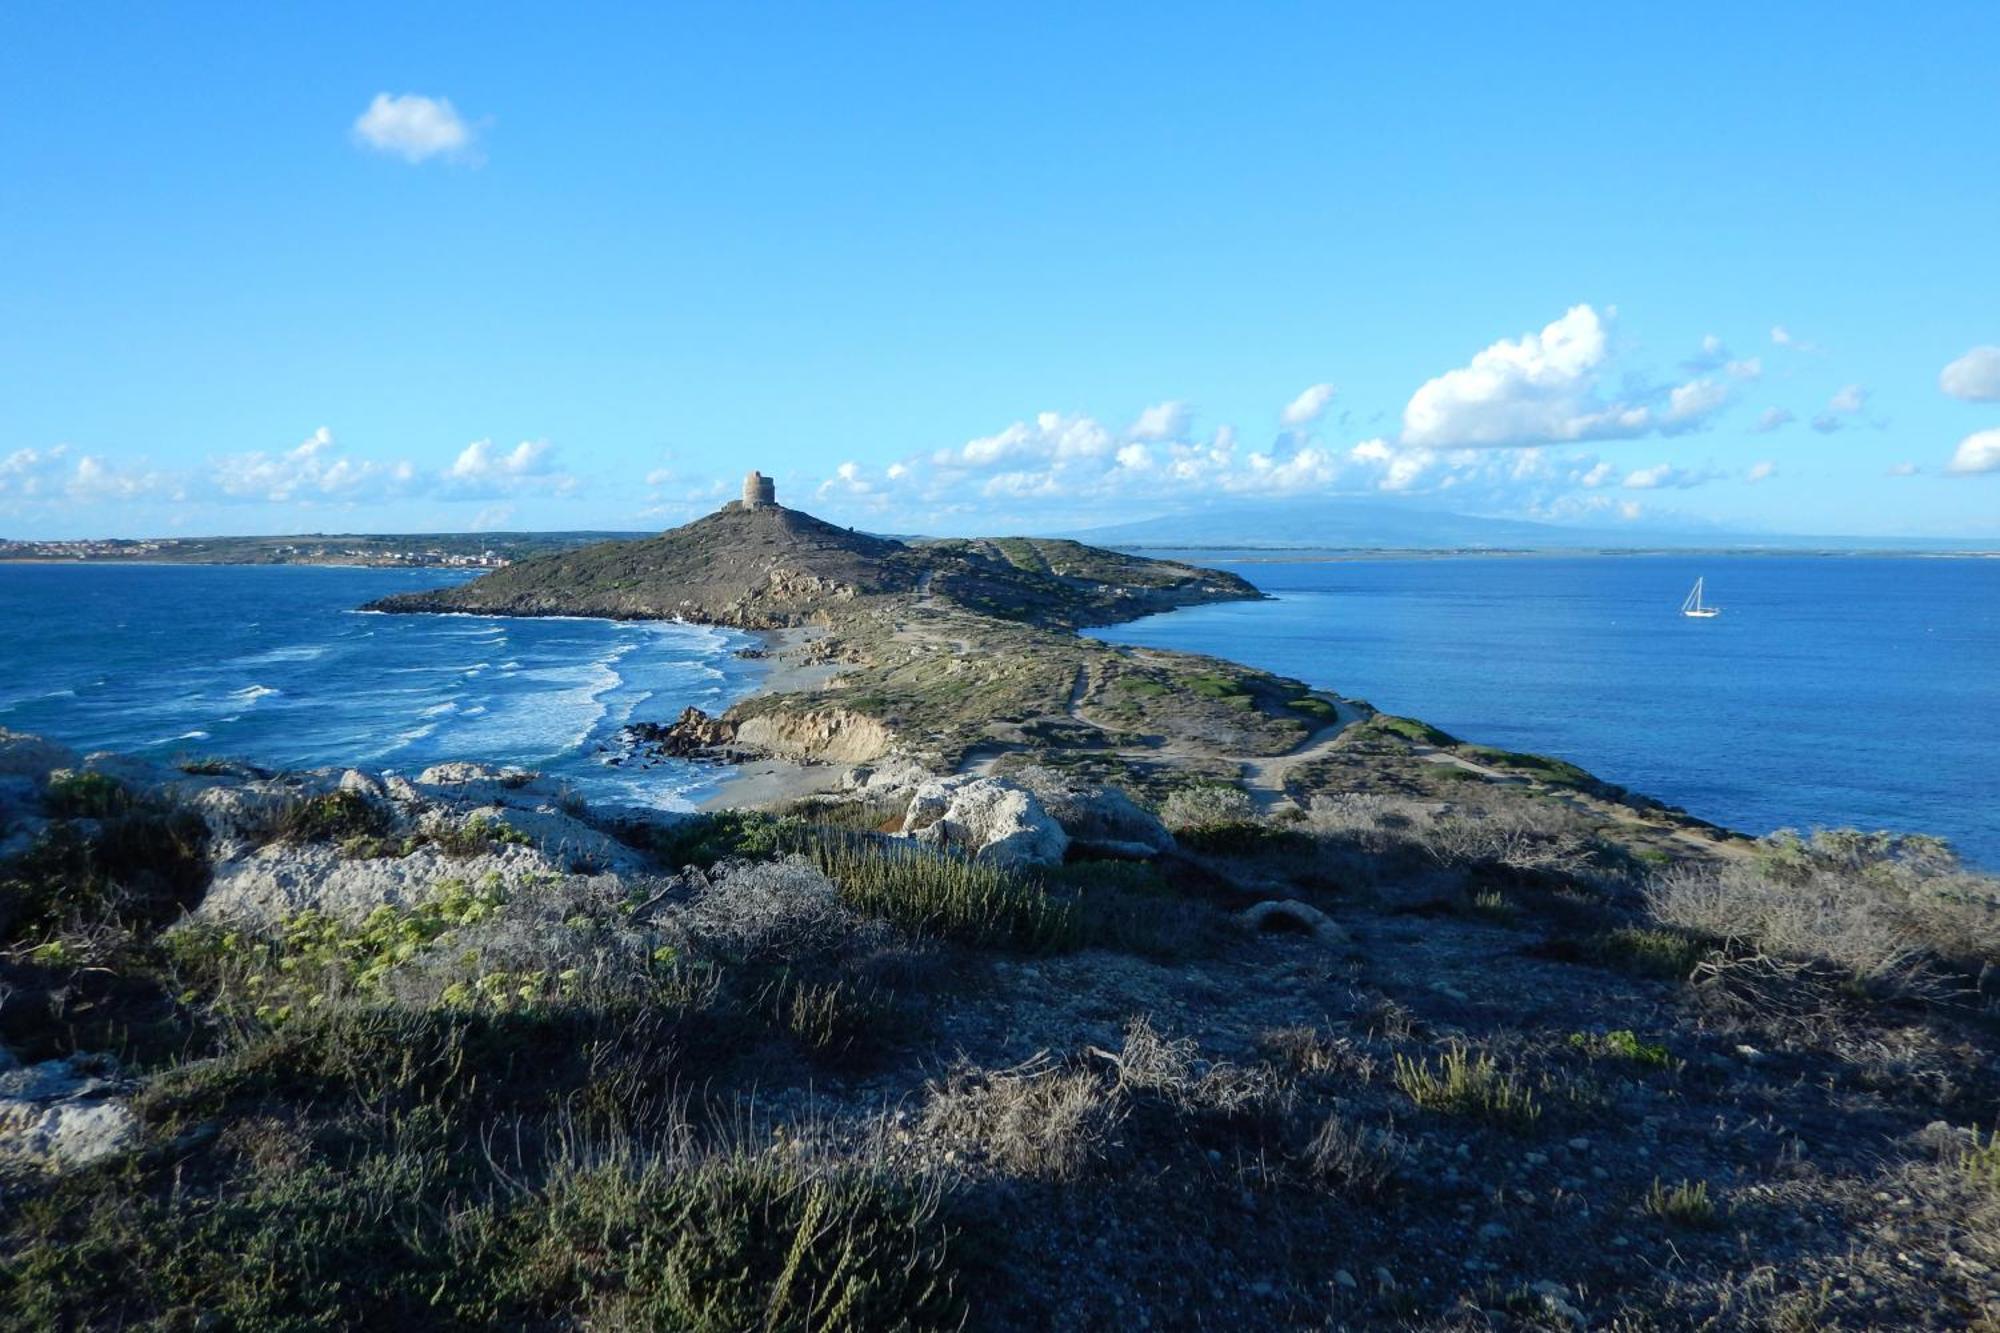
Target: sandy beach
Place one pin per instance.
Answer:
(764, 783)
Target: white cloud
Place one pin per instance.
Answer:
(1771, 419)
(1761, 470)
(482, 471)
(1846, 402)
(314, 470)
(1977, 453)
(1162, 421)
(1308, 406)
(1663, 476)
(1541, 389)
(413, 127)
(59, 473)
(1781, 335)
(1904, 470)
(1974, 377)
(1692, 403)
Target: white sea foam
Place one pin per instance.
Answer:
(252, 693)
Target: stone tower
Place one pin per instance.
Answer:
(759, 491)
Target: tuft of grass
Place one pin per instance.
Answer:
(1354, 1160)
(1981, 1162)
(943, 895)
(1468, 1085)
(1686, 1204)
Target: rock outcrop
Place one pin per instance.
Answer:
(1102, 821)
(989, 818)
(63, 1113)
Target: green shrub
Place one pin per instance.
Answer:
(333, 816)
(138, 869)
(1410, 729)
(73, 795)
(1651, 952)
(1621, 1044)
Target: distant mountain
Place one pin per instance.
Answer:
(1342, 523)
(1373, 524)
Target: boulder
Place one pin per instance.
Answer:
(1102, 821)
(63, 1113)
(25, 756)
(990, 818)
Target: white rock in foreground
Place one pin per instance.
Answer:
(56, 1115)
(989, 818)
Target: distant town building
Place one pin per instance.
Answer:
(759, 491)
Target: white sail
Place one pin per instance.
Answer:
(1692, 605)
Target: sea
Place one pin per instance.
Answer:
(1837, 690)
(275, 665)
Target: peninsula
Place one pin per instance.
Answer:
(1029, 982)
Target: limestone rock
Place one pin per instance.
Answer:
(1288, 914)
(273, 882)
(990, 818)
(63, 1113)
(1100, 820)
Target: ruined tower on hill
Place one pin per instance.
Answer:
(759, 492)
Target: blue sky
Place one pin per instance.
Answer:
(959, 268)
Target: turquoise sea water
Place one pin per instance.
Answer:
(1832, 690)
(274, 665)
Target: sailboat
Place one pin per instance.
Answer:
(1693, 607)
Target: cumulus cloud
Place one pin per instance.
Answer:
(414, 128)
(1715, 355)
(1162, 421)
(1541, 388)
(314, 470)
(484, 471)
(1771, 419)
(1974, 377)
(1903, 470)
(60, 473)
(1308, 407)
(1977, 453)
(1761, 470)
(1781, 335)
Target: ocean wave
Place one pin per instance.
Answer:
(300, 652)
(252, 693)
(435, 710)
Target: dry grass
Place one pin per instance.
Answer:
(1033, 1120)
(1352, 1159)
(1893, 924)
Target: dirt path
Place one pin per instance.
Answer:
(1264, 775)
